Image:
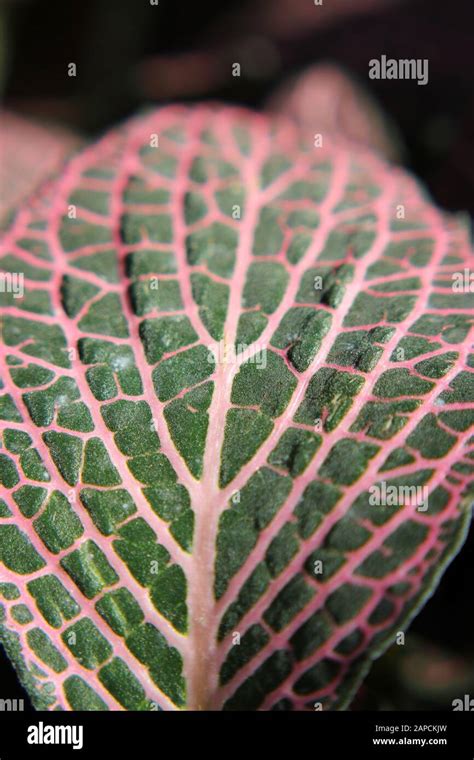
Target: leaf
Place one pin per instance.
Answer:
(230, 344)
(324, 99)
(30, 153)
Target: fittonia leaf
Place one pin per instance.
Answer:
(30, 152)
(230, 346)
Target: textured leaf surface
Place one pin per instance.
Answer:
(225, 341)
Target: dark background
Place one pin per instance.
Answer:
(129, 53)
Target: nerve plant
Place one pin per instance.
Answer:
(231, 339)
